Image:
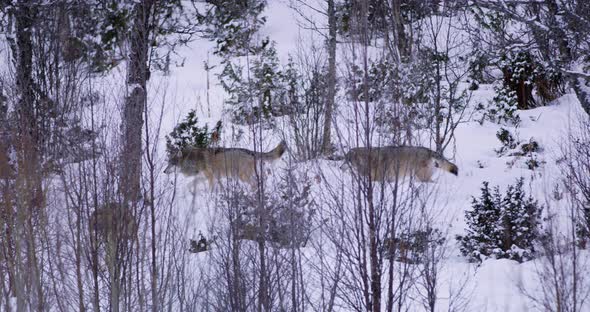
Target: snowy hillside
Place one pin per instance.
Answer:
(494, 285)
(294, 155)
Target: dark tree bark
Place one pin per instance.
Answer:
(374, 259)
(132, 122)
(30, 198)
(400, 40)
(132, 125)
(326, 141)
(581, 86)
(555, 38)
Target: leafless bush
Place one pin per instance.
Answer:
(256, 258)
(561, 282)
(576, 165)
(308, 93)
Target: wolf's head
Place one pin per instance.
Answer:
(454, 169)
(173, 160)
(346, 163)
(446, 165)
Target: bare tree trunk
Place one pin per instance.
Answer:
(582, 89)
(400, 40)
(30, 199)
(78, 255)
(93, 201)
(374, 261)
(114, 272)
(326, 142)
(132, 122)
(152, 214)
(263, 295)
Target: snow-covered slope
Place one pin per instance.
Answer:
(491, 286)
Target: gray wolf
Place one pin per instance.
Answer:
(113, 222)
(219, 162)
(389, 163)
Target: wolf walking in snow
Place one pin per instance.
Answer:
(219, 162)
(390, 162)
(113, 222)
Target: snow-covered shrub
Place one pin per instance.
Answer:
(532, 163)
(232, 25)
(283, 218)
(389, 84)
(501, 226)
(380, 75)
(503, 106)
(260, 95)
(511, 146)
(189, 134)
(519, 73)
(531, 147)
(307, 93)
(524, 73)
(440, 102)
(575, 165)
(531, 150)
(478, 61)
(412, 247)
(507, 139)
(201, 244)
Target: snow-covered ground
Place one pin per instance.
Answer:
(491, 286)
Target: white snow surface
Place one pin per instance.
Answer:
(491, 286)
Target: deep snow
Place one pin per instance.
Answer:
(491, 286)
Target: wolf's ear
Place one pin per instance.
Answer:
(169, 169)
(178, 154)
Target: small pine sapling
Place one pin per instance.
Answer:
(501, 226)
(189, 134)
(413, 247)
(482, 232)
(503, 107)
(507, 139)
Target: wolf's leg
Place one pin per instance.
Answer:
(248, 176)
(253, 183)
(424, 174)
(211, 179)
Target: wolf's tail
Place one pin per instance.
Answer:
(446, 165)
(275, 153)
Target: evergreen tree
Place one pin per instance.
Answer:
(523, 73)
(189, 134)
(285, 218)
(232, 24)
(260, 96)
(482, 233)
(307, 97)
(502, 108)
(520, 223)
(501, 227)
